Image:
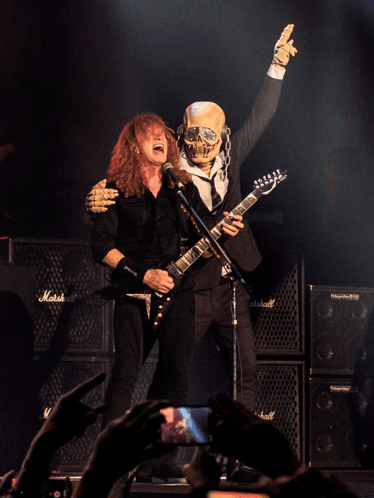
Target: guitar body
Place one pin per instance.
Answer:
(156, 304)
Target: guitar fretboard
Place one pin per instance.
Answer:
(198, 249)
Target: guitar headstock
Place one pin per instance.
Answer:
(267, 183)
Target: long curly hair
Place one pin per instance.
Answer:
(124, 167)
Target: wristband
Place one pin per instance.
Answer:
(127, 268)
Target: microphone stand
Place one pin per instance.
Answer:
(234, 279)
(206, 232)
(234, 282)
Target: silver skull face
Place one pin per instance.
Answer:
(203, 122)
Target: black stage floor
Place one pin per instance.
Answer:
(360, 481)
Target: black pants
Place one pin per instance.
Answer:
(133, 340)
(213, 311)
(176, 342)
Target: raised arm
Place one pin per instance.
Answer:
(125, 443)
(242, 435)
(70, 417)
(266, 103)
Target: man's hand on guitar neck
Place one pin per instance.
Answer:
(235, 226)
(158, 280)
(230, 229)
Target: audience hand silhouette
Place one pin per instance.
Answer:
(70, 417)
(204, 470)
(253, 441)
(124, 444)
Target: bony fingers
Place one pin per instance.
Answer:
(98, 209)
(288, 30)
(109, 195)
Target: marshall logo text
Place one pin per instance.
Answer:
(262, 304)
(48, 297)
(266, 416)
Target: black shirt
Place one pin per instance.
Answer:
(143, 228)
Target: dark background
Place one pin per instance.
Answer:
(72, 73)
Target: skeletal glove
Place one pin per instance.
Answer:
(284, 48)
(100, 197)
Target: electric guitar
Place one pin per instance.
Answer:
(157, 304)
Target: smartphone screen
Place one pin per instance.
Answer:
(185, 425)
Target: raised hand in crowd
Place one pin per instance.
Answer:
(204, 470)
(6, 482)
(122, 446)
(70, 417)
(242, 435)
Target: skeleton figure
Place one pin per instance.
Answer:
(213, 193)
(204, 128)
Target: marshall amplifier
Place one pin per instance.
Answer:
(277, 304)
(66, 317)
(280, 398)
(56, 377)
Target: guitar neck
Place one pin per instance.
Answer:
(200, 247)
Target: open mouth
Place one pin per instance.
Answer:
(159, 147)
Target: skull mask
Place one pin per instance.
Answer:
(203, 122)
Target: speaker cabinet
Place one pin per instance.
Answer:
(341, 329)
(280, 394)
(277, 304)
(67, 319)
(281, 400)
(54, 336)
(341, 415)
(56, 377)
(20, 281)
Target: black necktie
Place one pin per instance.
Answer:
(216, 198)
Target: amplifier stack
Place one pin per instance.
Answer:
(53, 337)
(342, 370)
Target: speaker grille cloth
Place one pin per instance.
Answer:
(68, 270)
(276, 308)
(59, 378)
(280, 391)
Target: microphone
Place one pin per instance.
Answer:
(168, 168)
